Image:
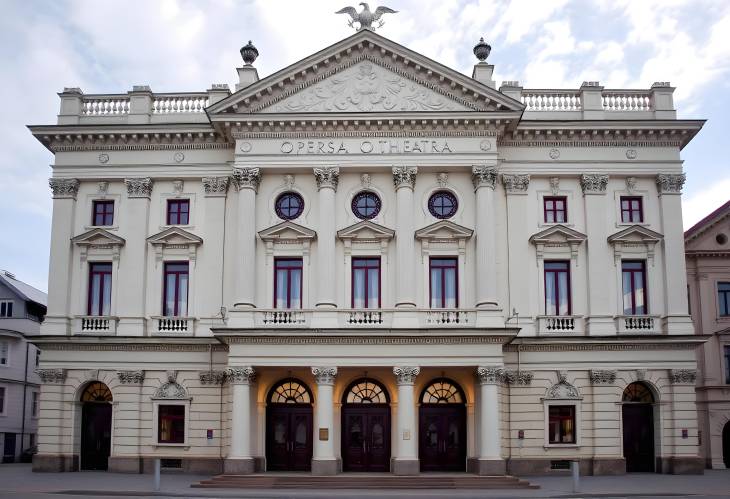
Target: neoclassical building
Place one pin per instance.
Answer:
(368, 261)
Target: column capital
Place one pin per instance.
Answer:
(329, 177)
(404, 176)
(247, 178)
(64, 188)
(324, 375)
(241, 375)
(483, 176)
(215, 186)
(516, 183)
(406, 375)
(602, 377)
(131, 377)
(139, 187)
(491, 375)
(212, 377)
(51, 375)
(670, 183)
(683, 376)
(594, 183)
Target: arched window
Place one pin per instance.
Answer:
(96, 392)
(366, 391)
(639, 393)
(442, 391)
(290, 391)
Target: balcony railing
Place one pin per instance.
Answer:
(95, 324)
(172, 325)
(560, 324)
(365, 318)
(637, 323)
(284, 318)
(447, 317)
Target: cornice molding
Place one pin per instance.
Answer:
(360, 340)
(333, 128)
(597, 347)
(132, 347)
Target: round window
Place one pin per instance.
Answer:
(442, 204)
(366, 205)
(721, 238)
(289, 205)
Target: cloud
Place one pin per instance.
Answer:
(705, 201)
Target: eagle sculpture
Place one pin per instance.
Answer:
(366, 18)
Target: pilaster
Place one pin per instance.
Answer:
(405, 461)
(246, 180)
(324, 461)
(239, 460)
(210, 254)
(404, 179)
(327, 179)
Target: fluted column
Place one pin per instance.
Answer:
(405, 461)
(240, 460)
(484, 178)
(327, 179)
(246, 181)
(404, 178)
(490, 460)
(324, 461)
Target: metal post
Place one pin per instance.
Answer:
(157, 474)
(575, 470)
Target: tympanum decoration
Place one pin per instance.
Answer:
(171, 390)
(670, 183)
(406, 375)
(139, 187)
(51, 375)
(324, 375)
(64, 187)
(593, 182)
(131, 377)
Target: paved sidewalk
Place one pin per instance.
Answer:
(18, 481)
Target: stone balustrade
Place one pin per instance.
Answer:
(637, 324)
(551, 100)
(172, 325)
(95, 324)
(560, 324)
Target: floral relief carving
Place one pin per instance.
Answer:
(63, 187)
(130, 377)
(212, 377)
(404, 176)
(683, 376)
(593, 182)
(519, 377)
(327, 177)
(139, 187)
(554, 185)
(670, 183)
(599, 377)
(491, 375)
(247, 178)
(562, 389)
(243, 375)
(171, 389)
(51, 375)
(324, 375)
(406, 375)
(215, 186)
(517, 183)
(630, 184)
(484, 176)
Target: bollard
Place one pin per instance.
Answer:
(575, 470)
(157, 475)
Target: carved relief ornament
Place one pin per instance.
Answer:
(215, 186)
(212, 377)
(562, 389)
(519, 377)
(670, 183)
(51, 375)
(130, 377)
(594, 183)
(327, 177)
(484, 176)
(324, 375)
(406, 375)
(241, 375)
(247, 178)
(516, 183)
(491, 375)
(64, 188)
(139, 187)
(683, 376)
(599, 377)
(404, 176)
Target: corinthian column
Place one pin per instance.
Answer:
(323, 460)
(405, 461)
(246, 181)
(484, 178)
(404, 178)
(240, 460)
(327, 179)
(490, 450)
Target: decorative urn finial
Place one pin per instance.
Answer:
(482, 50)
(249, 53)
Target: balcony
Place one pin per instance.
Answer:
(169, 326)
(633, 324)
(363, 318)
(560, 324)
(95, 324)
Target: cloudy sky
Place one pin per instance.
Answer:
(185, 45)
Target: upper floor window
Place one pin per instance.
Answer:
(103, 213)
(100, 288)
(632, 211)
(289, 205)
(4, 352)
(2, 400)
(723, 298)
(727, 364)
(178, 211)
(171, 424)
(444, 286)
(557, 288)
(176, 289)
(37, 358)
(6, 308)
(634, 287)
(288, 283)
(34, 404)
(366, 283)
(366, 205)
(555, 209)
(561, 422)
(442, 204)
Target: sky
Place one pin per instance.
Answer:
(106, 46)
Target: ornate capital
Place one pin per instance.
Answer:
(519, 377)
(247, 178)
(215, 186)
(682, 376)
(670, 183)
(404, 176)
(212, 377)
(599, 377)
(241, 375)
(131, 377)
(406, 375)
(139, 187)
(593, 183)
(51, 375)
(484, 176)
(516, 184)
(328, 176)
(324, 375)
(491, 375)
(64, 188)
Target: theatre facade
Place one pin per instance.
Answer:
(368, 262)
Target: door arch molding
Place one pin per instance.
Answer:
(726, 444)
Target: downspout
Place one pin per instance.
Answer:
(25, 391)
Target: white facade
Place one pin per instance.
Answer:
(368, 115)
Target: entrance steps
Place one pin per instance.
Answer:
(363, 481)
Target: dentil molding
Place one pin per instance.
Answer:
(328, 176)
(324, 375)
(484, 176)
(247, 178)
(139, 187)
(404, 176)
(241, 375)
(64, 188)
(406, 375)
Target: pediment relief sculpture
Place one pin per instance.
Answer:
(444, 229)
(562, 390)
(174, 236)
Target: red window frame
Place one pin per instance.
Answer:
(177, 270)
(175, 416)
(104, 271)
(443, 263)
(288, 265)
(554, 274)
(555, 206)
(630, 206)
(366, 264)
(178, 211)
(557, 414)
(102, 213)
(626, 268)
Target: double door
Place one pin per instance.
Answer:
(96, 435)
(288, 438)
(365, 438)
(442, 437)
(638, 420)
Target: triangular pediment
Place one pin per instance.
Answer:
(710, 234)
(366, 230)
(174, 235)
(98, 237)
(558, 234)
(287, 230)
(635, 234)
(444, 229)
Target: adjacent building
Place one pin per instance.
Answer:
(368, 261)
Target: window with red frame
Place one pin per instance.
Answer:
(366, 283)
(631, 210)
(288, 283)
(100, 289)
(444, 283)
(178, 211)
(175, 298)
(557, 288)
(103, 213)
(171, 424)
(555, 209)
(561, 424)
(634, 287)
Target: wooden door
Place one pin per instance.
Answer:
(365, 438)
(726, 445)
(9, 448)
(442, 437)
(288, 438)
(638, 432)
(96, 433)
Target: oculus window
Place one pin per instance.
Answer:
(366, 205)
(289, 205)
(442, 204)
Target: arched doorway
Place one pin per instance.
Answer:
(442, 427)
(365, 427)
(96, 426)
(726, 444)
(289, 426)
(638, 422)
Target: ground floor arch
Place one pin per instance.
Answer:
(638, 427)
(366, 426)
(289, 426)
(96, 426)
(442, 426)
(726, 444)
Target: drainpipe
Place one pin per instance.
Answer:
(25, 391)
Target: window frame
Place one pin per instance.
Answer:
(105, 213)
(277, 261)
(367, 270)
(89, 294)
(279, 211)
(455, 267)
(576, 404)
(5, 345)
(430, 204)
(572, 417)
(35, 404)
(554, 210)
(726, 351)
(365, 195)
(545, 273)
(178, 212)
(173, 417)
(5, 306)
(177, 274)
(156, 422)
(631, 209)
(4, 398)
(723, 299)
(633, 287)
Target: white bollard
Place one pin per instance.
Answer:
(575, 470)
(157, 474)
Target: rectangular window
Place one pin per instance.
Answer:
(31, 439)
(178, 211)
(171, 424)
(634, 287)
(6, 308)
(2, 400)
(103, 213)
(631, 210)
(100, 289)
(34, 404)
(557, 288)
(37, 357)
(444, 285)
(561, 424)
(555, 209)
(723, 298)
(288, 283)
(4, 348)
(366, 283)
(727, 364)
(176, 289)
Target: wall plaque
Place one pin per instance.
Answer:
(324, 434)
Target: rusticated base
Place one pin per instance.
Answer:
(55, 463)
(132, 464)
(405, 466)
(325, 467)
(487, 467)
(683, 465)
(244, 466)
(609, 466)
(520, 467)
